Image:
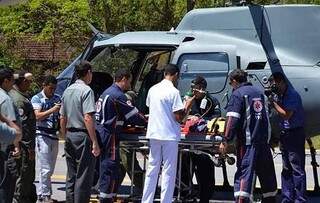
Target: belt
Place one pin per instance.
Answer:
(48, 136)
(74, 130)
(47, 130)
(292, 129)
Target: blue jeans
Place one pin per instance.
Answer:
(293, 175)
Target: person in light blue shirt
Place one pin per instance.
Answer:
(46, 107)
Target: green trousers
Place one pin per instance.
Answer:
(126, 167)
(25, 191)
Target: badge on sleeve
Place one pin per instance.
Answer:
(21, 111)
(129, 102)
(98, 106)
(257, 106)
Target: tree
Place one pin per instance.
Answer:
(66, 20)
(48, 20)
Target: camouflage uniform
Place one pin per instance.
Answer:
(8, 170)
(25, 190)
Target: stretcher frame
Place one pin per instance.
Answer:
(197, 143)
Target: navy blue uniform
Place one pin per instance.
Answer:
(248, 121)
(292, 139)
(112, 110)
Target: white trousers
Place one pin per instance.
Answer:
(165, 152)
(47, 152)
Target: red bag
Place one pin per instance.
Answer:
(194, 124)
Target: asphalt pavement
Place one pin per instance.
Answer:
(58, 179)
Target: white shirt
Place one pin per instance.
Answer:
(163, 99)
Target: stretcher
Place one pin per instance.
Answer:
(198, 143)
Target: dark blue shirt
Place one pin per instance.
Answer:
(112, 110)
(211, 108)
(291, 101)
(247, 114)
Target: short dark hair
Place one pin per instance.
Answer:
(171, 69)
(50, 79)
(122, 73)
(238, 75)
(278, 76)
(199, 80)
(5, 73)
(82, 68)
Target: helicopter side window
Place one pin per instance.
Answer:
(214, 67)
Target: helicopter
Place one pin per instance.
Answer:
(211, 43)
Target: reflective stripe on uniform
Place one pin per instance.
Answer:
(270, 194)
(109, 121)
(131, 113)
(103, 106)
(233, 114)
(105, 195)
(253, 183)
(243, 194)
(119, 123)
(267, 112)
(248, 118)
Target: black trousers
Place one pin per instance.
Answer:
(80, 166)
(7, 176)
(204, 171)
(126, 167)
(203, 168)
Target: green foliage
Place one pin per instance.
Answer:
(120, 15)
(66, 21)
(49, 21)
(6, 59)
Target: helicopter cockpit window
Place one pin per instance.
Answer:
(104, 65)
(154, 64)
(111, 59)
(151, 73)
